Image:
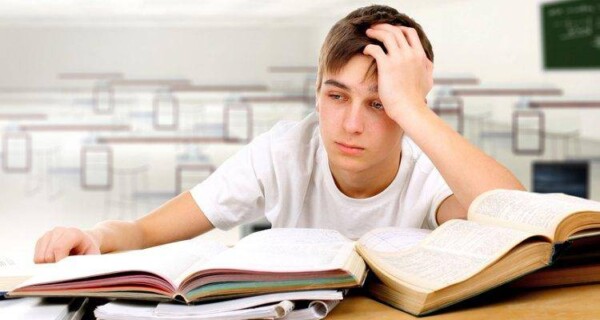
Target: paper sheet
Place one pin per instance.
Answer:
(133, 311)
(166, 309)
(452, 253)
(393, 239)
(526, 210)
(284, 250)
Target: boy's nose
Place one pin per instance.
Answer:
(354, 120)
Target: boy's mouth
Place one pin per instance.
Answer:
(349, 148)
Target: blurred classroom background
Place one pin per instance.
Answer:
(110, 108)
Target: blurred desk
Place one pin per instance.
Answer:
(577, 302)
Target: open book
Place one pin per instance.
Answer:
(269, 261)
(508, 234)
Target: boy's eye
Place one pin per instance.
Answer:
(377, 105)
(335, 96)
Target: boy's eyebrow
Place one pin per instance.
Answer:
(340, 85)
(336, 83)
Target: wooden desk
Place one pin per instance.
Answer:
(577, 302)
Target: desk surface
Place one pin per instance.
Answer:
(577, 302)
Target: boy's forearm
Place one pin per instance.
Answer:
(467, 170)
(114, 235)
(178, 219)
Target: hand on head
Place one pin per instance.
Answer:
(404, 73)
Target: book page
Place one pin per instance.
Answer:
(284, 250)
(533, 212)
(453, 252)
(166, 261)
(304, 236)
(392, 239)
(16, 270)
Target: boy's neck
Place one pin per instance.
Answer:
(368, 183)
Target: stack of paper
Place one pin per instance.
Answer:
(42, 309)
(299, 305)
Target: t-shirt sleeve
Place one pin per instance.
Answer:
(438, 191)
(234, 193)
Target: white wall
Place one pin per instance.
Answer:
(32, 56)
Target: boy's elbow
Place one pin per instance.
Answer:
(510, 182)
(517, 185)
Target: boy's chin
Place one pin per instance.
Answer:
(348, 164)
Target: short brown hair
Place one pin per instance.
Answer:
(348, 38)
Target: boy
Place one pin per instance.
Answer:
(353, 165)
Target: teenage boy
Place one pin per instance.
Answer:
(372, 155)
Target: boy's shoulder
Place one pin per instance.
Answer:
(296, 129)
(300, 134)
(290, 148)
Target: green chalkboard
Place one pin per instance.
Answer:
(571, 34)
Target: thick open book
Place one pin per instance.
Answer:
(508, 234)
(269, 261)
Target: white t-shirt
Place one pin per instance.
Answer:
(284, 175)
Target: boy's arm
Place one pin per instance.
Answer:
(404, 79)
(178, 219)
(450, 208)
(467, 170)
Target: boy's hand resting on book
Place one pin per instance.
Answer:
(60, 242)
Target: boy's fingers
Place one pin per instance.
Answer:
(48, 254)
(387, 38)
(60, 252)
(413, 38)
(396, 32)
(57, 235)
(374, 51)
(40, 248)
(60, 242)
(405, 36)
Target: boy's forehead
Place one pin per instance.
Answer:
(356, 73)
